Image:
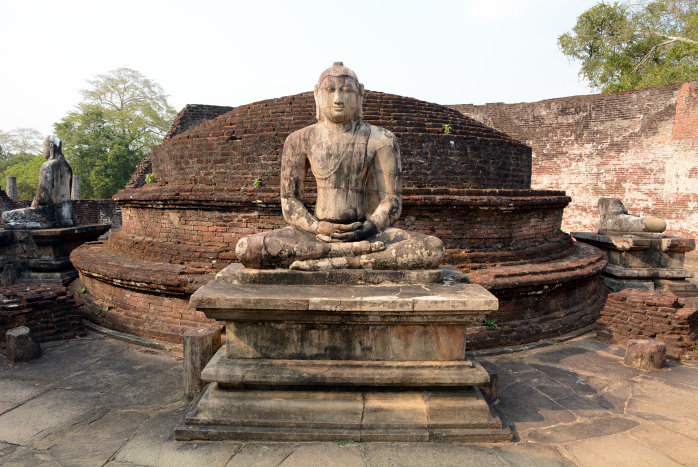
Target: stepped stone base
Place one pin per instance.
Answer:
(646, 261)
(329, 362)
(321, 415)
(42, 256)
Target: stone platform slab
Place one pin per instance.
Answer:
(381, 322)
(237, 274)
(301, 415)
(325, 303)
(43, 255)
(284, 373)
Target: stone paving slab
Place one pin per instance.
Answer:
(92, 444)
(42, 414)
(98, 401)
(153, 444)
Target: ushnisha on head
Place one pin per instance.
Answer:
(338, 95)
(53, 147)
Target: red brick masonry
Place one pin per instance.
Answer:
(47, 309)
(650, 314)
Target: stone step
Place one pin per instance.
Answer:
(460, 415)
(284, 373)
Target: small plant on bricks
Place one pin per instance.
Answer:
(490, 323)
(447, 129)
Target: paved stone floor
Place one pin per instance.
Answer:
(99, 401)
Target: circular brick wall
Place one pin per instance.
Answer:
(231, 151)
(471, 188)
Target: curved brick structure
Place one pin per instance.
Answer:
(471, 188)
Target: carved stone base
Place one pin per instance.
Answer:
(330, 362)
(643, 260)
(43, 255)
(461, 415)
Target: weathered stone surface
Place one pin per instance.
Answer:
(358, 176)
(22, 424)
(644, 260)
(396, 323)
(153, 444)
(15, 392)
(21, 345)
(199, 346)
(645, 354)
(99, 440)
(615, 218)
(52, 206)
(377, 373)
(236, 273)
(242, 302)
(42, 255)
(302, 415)
(11, 187)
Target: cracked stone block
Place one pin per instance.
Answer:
(21, 344)
(645, 354)
(199, 346)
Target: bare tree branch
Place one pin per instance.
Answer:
(649, 54)
(674, 38)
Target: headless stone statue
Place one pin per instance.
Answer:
(51, 207)
(359, 193)
(614, 218)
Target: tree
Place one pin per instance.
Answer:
(20, 156)
(25, 168)
(19, 141)
(635, 45)
(122, 115)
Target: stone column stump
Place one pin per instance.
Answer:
(21, 345)
(200, 344)
(645, 354)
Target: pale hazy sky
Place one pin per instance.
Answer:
(234, 53)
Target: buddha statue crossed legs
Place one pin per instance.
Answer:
(357, 171)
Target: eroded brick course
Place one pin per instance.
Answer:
(634, 313)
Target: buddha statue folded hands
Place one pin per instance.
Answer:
(358, 176)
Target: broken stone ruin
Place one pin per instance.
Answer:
(640, 255)
(36, 242)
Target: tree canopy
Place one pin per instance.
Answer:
(122, 115)
(25, 168)
(20, 156)
(626, 45)
(19, 141)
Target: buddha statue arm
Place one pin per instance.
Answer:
(294, 166)
(388, 174)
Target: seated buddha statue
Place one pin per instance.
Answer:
(52, 206)
(359, 193)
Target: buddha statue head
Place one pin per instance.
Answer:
(338, 95)
(53, 147)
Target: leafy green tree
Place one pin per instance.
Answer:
(627, 45)
(25, 168)
(122, 115)
(20, 156)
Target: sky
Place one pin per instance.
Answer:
(237, 52)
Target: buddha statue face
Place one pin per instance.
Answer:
(52, 147)
(338, 95)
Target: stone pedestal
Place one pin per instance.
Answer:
(379, 362)
(43, 255)
(646, 261)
